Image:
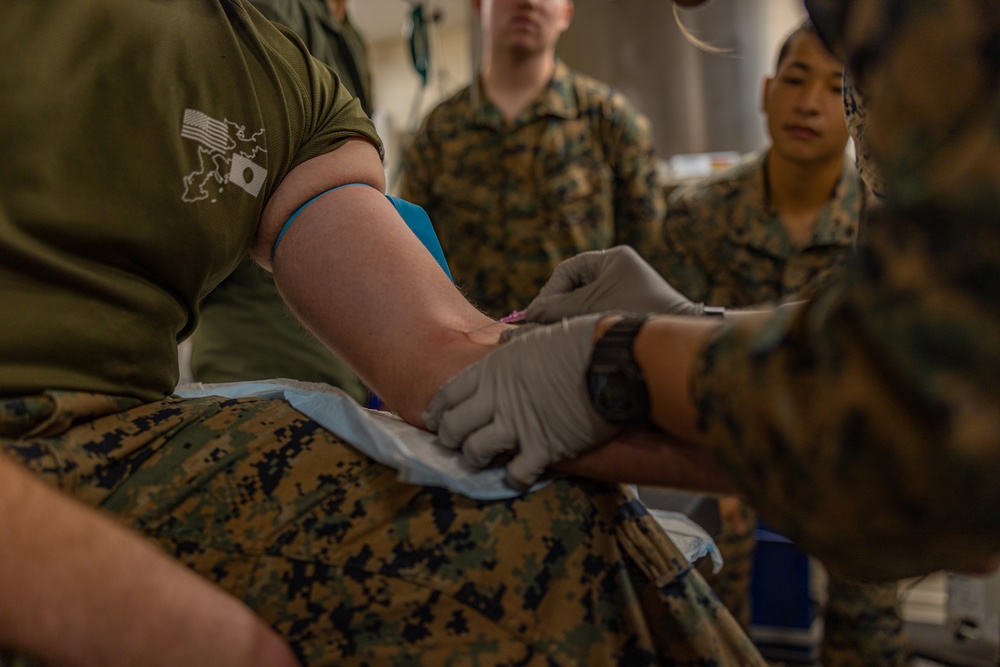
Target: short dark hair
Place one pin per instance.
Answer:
(806, 27)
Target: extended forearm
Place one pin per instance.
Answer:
(644, 456)
(362, 282)
(77, 589)
(667, 350)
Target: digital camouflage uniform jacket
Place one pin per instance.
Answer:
(574, 171)
(726, 246)
(866, 425)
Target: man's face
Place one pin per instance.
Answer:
(525, 26)
(804, 103)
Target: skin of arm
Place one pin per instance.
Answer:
(79, 589)
(668, 376)
(352, 271)
(648, 457)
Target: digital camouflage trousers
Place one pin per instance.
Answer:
(355, 568)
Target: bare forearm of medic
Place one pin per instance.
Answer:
(150, 610)
(652, 458)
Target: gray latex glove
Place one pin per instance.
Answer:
(528, 396)
(607, 280)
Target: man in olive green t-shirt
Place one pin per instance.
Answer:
(153, 145)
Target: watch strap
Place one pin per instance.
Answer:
(615, 346)
(713, 311)
(613, 355)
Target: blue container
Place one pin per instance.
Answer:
(785, 623)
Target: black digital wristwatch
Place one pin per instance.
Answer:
(615, 383)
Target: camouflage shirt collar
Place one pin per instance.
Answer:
(558, 99)
(757, 225)
(840, 220)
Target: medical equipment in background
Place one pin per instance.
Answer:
(419, 46)
(417, 36)
(420, 58)
(952, 619)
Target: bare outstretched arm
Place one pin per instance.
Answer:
(353, 272)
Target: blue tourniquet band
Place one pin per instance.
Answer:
(419, 222)
(414, 216)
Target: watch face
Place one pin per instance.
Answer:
(614, 381)
(615, 397)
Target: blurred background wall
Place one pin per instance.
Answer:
(697, 102)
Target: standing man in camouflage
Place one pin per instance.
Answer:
(246, 330)
(772, 229)
(532, 163)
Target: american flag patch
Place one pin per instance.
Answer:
(204, 129)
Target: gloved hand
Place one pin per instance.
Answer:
(606, 280)
(528, 396)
